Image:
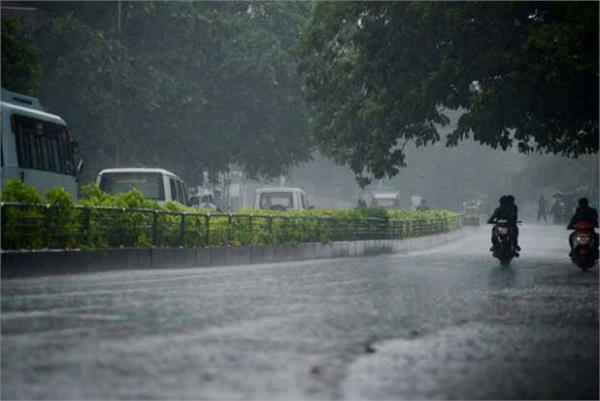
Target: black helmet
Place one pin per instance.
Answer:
(583, 202)
(510, 199)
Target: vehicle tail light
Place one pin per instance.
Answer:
(582, 239)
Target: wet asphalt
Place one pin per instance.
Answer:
(445, 323)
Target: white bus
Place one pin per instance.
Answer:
(37, 147)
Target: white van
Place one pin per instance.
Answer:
(386, 200)
(154, 183)
(281, 198)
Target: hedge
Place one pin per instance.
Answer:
(99, 220)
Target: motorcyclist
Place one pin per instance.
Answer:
(584, 213)
(506, 211)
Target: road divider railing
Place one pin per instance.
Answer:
(46, 226)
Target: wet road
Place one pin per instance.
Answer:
(447, 323)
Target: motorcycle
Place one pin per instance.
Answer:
(584, 250)
(503, 248)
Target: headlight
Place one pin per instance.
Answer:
(502, 230)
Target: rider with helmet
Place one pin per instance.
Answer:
(584, 213)
(508, 211)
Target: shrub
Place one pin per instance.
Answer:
(62, 220)
(17, 191)
(128, 219)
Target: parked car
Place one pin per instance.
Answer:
(281, 198)
(154, 183)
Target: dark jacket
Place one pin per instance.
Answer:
(505, 212)
(501, 213)
(588, 214)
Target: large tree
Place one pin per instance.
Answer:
(189, 86)
(20, 64)
(380, 75)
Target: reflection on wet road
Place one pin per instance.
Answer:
(443, 323)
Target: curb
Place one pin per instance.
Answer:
(51, 262)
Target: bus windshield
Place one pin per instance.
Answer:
(149, 184)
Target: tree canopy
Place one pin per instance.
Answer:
(188, 86)
(380, 75)
(20, 64)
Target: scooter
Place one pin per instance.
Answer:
(584, 250)
(503, 248)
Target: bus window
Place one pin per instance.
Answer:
(185, 199)
(179, 191)
(304, 202)
(183, 193)
(54, 153)
(42, 145)
(174, 192)
(182, 198)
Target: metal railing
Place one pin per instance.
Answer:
(54, 227)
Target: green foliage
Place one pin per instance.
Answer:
(128, 220)
(372, 212)
(92, 195)
(23, 227)
(215, 78)
(61, 219)
(380, 75)
(20, 64)
(17, 191)
(59, 198)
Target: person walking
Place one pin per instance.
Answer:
(542, 205)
